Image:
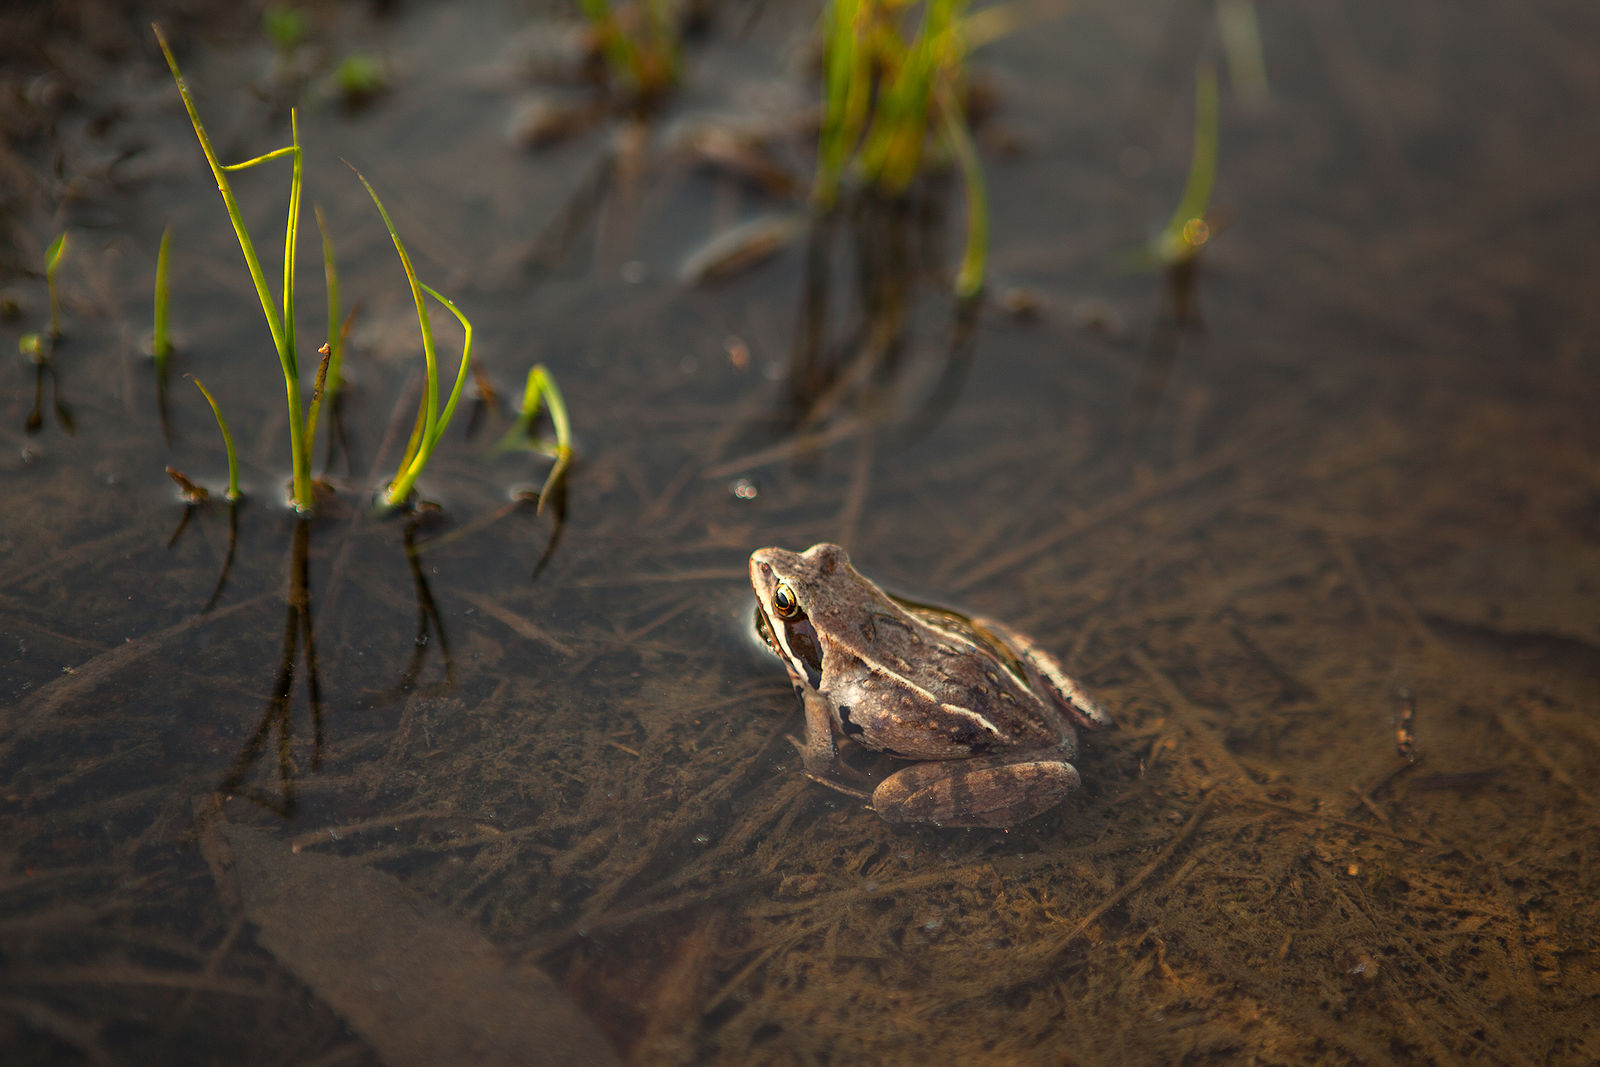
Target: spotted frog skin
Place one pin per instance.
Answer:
(986, 717)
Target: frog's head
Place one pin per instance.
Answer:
(792, 596)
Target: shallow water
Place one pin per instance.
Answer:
(1322, 528)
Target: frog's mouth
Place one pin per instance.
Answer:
(795, 642)
(764, 630)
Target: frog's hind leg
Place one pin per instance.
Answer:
(997, 791)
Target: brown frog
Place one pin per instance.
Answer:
(986, 715)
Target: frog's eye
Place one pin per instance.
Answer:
(785, 602)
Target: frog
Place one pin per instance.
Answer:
(986, 719)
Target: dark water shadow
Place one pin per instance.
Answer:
(1177, 317)
(44, 370)
(867, 267)
(428, 617)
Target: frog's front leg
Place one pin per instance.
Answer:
(820, 753)
(997, 791)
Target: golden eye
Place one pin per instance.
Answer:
(785, 602)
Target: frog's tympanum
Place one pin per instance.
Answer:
(986, 717)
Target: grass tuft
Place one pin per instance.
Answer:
(280, 322)
(888, 90)
(639, 42)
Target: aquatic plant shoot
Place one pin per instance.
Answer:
(52, 259)
(431, 420)
(541, 391)
(233, 493)
(160, 342)
(1187, 231)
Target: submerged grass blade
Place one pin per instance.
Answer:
(160, 342)
(227, 439)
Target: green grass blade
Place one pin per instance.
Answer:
(558, 408)
(276, 153)
(160, 342)
(227, 438)
(969, 277)
(558, 417)
(1175, 243)
(892, 154)
(431, 423)
(432, 399)
(461, 371)
(53, 254)
(428, 416)
(291, 244)
(52, 259)
(541, 390)
(246, 245)
(419, 432)
(847, 89)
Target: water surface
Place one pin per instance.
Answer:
(1320, 524)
